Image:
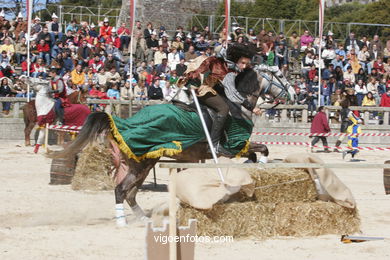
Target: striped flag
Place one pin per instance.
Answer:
(320, 33)
(227, 16)
(133, 4)
(321, 18)
(29, 9)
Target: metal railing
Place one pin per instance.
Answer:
(285, 113)
(171, 20)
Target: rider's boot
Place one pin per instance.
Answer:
(216, 133)
(60, 116)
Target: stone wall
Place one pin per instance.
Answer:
(179, 11)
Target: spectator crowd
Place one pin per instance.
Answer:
(95, 58)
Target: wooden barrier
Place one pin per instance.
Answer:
(288, 113)
(276, 165)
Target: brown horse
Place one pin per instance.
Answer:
(30, 112)
(250, 84)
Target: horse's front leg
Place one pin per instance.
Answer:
(261, 148)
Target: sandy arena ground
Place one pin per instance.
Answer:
(39, 221)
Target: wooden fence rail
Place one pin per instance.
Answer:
(286, 113)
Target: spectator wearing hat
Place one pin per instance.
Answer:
(55, 29)
(20, 27)
(152, 46)
(4, 23)
(92, 31)
(114, 39)
(177, 43)
(105, 30)
(164, 42)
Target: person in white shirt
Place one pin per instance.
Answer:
(361, 91)
(364, 57)
(349, 74)
(173, 58)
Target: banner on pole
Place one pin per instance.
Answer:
(227, 16)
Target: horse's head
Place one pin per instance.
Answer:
(40, 85)
(274, 84)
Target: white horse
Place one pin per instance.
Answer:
(74, 114)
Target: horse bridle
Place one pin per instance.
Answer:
(283, 87)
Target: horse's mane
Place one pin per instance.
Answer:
(247, 82)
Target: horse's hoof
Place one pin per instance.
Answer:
(121, 222)
(144, 219)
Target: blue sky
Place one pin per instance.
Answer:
(10, 4)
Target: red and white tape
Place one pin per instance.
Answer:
(317, 134)
(329, 147)
(65, 128)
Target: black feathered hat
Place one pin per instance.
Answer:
(236, 51)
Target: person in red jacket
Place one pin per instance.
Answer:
(114, 39)
(44, 51)
(385, 100)
(320, 125)
(105, 30)
(96, 64)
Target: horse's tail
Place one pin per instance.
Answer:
(97, 123)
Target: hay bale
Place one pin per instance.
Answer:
(232, 219)
(93, 168)
(266, 220)
(269, 188)
(315, 219)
